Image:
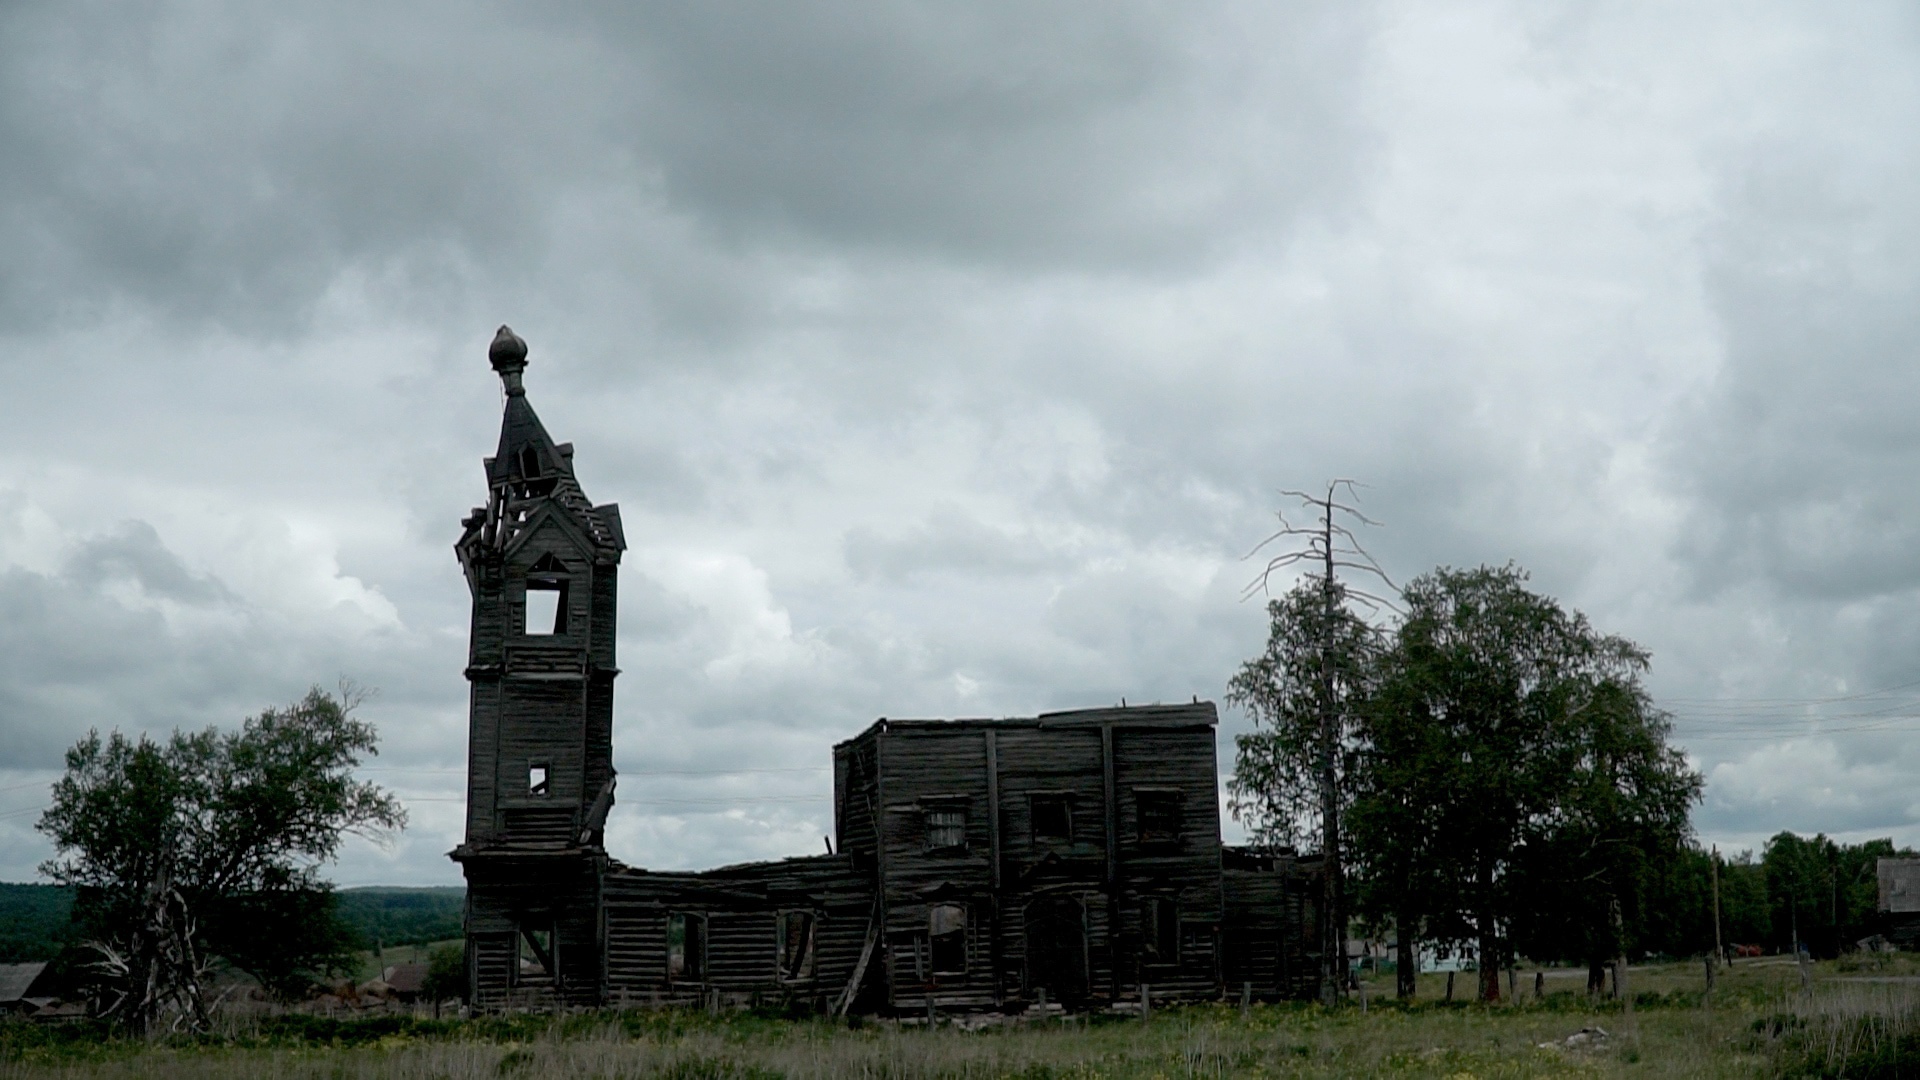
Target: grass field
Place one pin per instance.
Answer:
(1760, 1023)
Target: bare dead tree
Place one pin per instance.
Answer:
(159, 969)
(1326, 547)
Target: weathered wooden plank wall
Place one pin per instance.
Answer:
(1270, 928)
(741, 906)
(1101, 762)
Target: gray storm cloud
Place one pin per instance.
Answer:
(948, 362)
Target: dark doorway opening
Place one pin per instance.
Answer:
(1057, 949)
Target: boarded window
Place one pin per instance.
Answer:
(546, 607)
(947, 939)
(537, 779)
(796, 945)
(1159, 817)
(946, 827)
(686, 945)
(1160, 926)
(1052, 817)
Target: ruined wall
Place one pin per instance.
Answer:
(741, 910)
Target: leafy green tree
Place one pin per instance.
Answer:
(1507, 733)
(210, 845)
(1616, 825)
(1394, 826)
(1827, 893)
(446, 974)
(1857, 884)
(1312, 652)
(1745, 916)
(1673, 910)
(1797, 873)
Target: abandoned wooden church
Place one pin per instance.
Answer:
(979, 864)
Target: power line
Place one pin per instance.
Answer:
(23, 787)
(1800, 701)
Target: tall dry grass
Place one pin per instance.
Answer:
(1213, 1042)
(1848, 1028)
(1757, 1023)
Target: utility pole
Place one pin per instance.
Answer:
(1719, 950)
(1833, 871)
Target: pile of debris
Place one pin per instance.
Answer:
(1586, 1039)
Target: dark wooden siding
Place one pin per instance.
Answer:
(741, 905)
(1177, 762)
(1102, 761)
(936, 768)
(1063, 761)
(1269, 931)
(557, 895)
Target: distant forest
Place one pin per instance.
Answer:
(34, 918)
(1823, 893)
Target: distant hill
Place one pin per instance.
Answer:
(34, 926)
(395, 916)
(33, 921)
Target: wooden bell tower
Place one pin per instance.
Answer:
(542, 565)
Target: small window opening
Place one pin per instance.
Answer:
(1161, 919)
(1159, 813)
(1052, 818)
(546, 607)
(796, 945)
(947, 939)
(530, 463)
(536, 953)
(946, 828)
(686, 946)
(537, 780)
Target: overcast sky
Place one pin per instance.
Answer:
(947, 360)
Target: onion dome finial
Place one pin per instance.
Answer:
(508, 354)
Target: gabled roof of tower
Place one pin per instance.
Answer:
(528, 469)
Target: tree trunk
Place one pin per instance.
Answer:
(1618, 924)
(1489, 966)
(1406, 958)
(1335, 938)
(1489, 941)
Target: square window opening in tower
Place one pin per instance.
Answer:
(546, 608)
